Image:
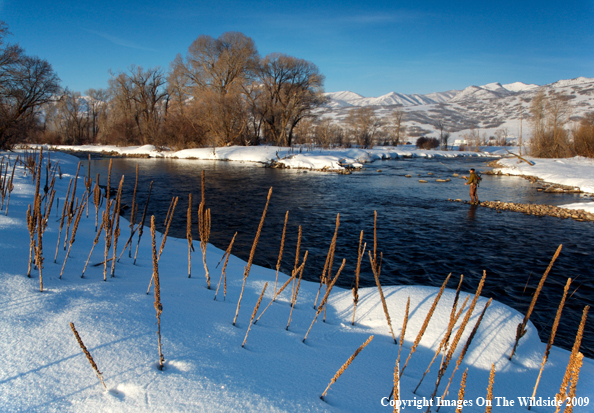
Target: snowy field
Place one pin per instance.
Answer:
(206, 368)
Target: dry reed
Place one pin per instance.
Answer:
(8, 187)
(466, 346)
(294, 299)
(254, 314)
(551, 337)
(31, 224)
(323, 302)
(278, 293)
(572, 359)
(280, 253)
(360, 254)
(204, 231)
(133, 215)
(170, 218)
(158, 305)
(64, 207)
(88, 182)
(396, 391)
(141, 225)
(95, 241)
(223, 278)
(189, 234)
(97, 200)
(461, 392)
(74, 229)
(89, 357)
(246, 272)
(296, 258)
(447, 358)
(489, 399)
(345, 366)
(521, 329)
(116, 234)
(426, 321)
(71, 207)
(403, 331)
(444, 341)
(575, 375)
(108, 226)
(381, 293)
(329, 259)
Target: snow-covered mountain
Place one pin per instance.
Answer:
(487, 108)
(488, 91)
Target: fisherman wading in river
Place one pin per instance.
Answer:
(473, 180)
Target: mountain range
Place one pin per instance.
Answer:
(487, 107)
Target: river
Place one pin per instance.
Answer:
(423, 236)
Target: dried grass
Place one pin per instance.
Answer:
(521, 329)
(254, 314)
(141, 225)
(158, 305)
(223, 278)
(346, 365)
(383, 299)
(89, 357)
(360, 254)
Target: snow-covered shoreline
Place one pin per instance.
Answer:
(43, 368)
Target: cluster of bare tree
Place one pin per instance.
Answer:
(221, 93)
(551, 138)
(26, 83)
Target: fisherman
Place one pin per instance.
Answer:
(473, 180)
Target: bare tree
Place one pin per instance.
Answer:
(550, 113)
(285, 91)
(213, 75)
(96, 103)
(26, 83)
(396, 118)
(363, 126)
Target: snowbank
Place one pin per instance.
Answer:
(206, 369)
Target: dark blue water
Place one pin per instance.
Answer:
(422, 235)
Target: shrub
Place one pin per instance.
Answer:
(427, 143)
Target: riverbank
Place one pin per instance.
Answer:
(206, 369)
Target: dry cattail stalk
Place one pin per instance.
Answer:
(447, 358)
(88, 182)
(254, 314)
(9, 186)
(278, 293)
(71, 207)
(31, 223)
(572, 358)
(189, 235)
(223, 272)
(96, 200)
(551, 337)
(252, 252)
(461, 392)
(174, 201)
(108, 226)
(280, 253)
(108, 189)
(521, 330)
(116, 235)
(396, 391)
(296, 257)
(489, 399)
(374, 236)
(329, 258)
(89, 357)
(403, 331)
(62, 220)
(294, 299)
(346, 365)
(141, 226)
(466, 346)
(357, 271)
(444, 341)
(204, 232)
(426, 322)
(158, 305)
(133, 215)
(575, 375)
(381, 293)
(95, 241)
(74, 229)
(40, 224)
(168, 212)
(323, 302)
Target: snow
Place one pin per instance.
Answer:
(206, 369)
(520, 87)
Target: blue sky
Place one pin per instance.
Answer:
(370, 48)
